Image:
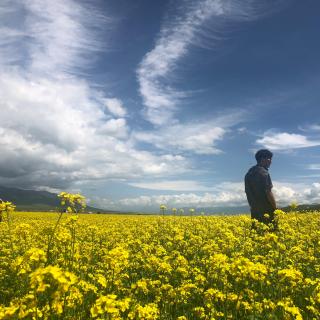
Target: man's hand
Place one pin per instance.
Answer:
(271, 199)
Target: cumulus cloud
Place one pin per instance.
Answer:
(181, 200)
(300, 193)
(227, 194)
(55, 128)
(224, 195)
(285, 141)
(116, 107)
(115, 127)
(312, 193)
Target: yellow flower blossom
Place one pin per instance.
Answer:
(150, 267)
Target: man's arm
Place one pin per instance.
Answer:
(271, 199)
(248, 192)
(249, 201)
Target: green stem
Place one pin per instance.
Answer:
(10, 235)
(52, 235)
(73, 232)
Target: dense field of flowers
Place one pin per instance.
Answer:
(158, 267)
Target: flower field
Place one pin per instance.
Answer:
(158, 267)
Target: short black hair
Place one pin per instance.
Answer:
(263, 154)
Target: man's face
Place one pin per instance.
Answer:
(266, 162)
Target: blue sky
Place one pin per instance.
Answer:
(139, 103)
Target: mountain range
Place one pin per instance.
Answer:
(32, 200)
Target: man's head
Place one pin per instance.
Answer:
(264, 158)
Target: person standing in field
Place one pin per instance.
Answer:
(258, 188)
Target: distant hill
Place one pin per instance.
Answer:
(32, 200)
(303, 207)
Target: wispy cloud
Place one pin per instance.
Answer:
(157, 66)
(172, 185)
(194, 137)
(200, 139)
(53, 37)
(286, 141)
(190, 24)
(310, 128)
(314, 166)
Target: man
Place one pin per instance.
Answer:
(258, 187)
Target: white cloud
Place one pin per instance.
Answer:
(195, 137)
(175, 38)
(312, 194)
(285, 141)
(172, 185)
(61, 35)
(193, 23)
(54, 128)
(300, 193)
(49, 38)
(224, 198)
(310, 128)
(115, 106)
(314, 166)
(315, 127)
(224, 195)
(242, 130)
(115, 127)
(286, 194)
(199, 138)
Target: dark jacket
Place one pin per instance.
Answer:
(257, 183)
